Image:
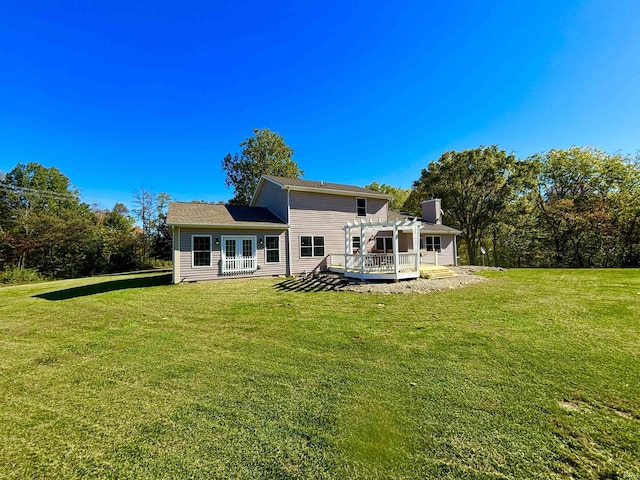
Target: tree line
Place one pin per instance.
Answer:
(577, 207)
(46, 230)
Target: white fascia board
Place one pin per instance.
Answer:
(346, 193)
(248, 226)
(446, 230)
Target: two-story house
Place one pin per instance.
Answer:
(295, 226)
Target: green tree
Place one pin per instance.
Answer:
(399, 195)
(475, 186)
(32, 199)
(161, 244)
(586, 200)
(265, 153)
(120, 241)
(626, 214)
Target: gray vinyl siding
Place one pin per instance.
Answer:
(324, 215)
(190, 273)
(274, 198)
(447, 255)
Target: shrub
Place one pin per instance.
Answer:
(15, 276)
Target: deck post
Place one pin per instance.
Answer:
(362, 243)
(416, 244)
(396, 255)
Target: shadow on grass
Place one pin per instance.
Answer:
(321, 283)
(104, 287)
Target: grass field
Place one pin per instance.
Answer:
(533, 374)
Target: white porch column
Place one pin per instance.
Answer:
(396, 255)
(362, 243)
(416, 244)
(175, 254)
(347, 234)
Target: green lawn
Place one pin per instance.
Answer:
(533, 374)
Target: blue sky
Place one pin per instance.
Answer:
(120, 95)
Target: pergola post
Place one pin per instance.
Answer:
(416, 244)
(362, 242)
(396, 254)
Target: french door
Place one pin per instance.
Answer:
(239, 254)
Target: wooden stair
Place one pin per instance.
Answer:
(436, 271)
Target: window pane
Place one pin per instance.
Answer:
(273, 256)
(201, 243)
(230, 248)
(361, 206)
(306, 248)
(247, 248)
(429, 243)
(436, 243)
(318, 251)
(201, 259)
(355, 242)
(379, 243)
(318, 241)
(272, 242)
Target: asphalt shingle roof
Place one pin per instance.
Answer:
(205, 214)
(426, 227)
(300, 183)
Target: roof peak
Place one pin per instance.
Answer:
(302, 184)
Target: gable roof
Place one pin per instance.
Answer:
(212, 215)
(300, 185)
(425, 227)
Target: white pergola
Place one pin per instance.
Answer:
(364, 226)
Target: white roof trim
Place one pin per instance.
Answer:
(328, 191)
(233, 226)
(386, 223)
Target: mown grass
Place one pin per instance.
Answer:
(534, 374)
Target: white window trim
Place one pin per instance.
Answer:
(365, 207)
(265, 250)
(353, 246)
(384, 243)
(313, 246)
(433, 237)
(193, 252)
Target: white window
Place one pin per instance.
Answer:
(431, 244)
(271, 249)
(201, 250)
(311, 246)
(355, 243)
(384, 244)
(361, 207)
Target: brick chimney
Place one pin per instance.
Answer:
(431, 211)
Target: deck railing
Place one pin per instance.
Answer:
(374, 262)
(428, 258)
(231, 265)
